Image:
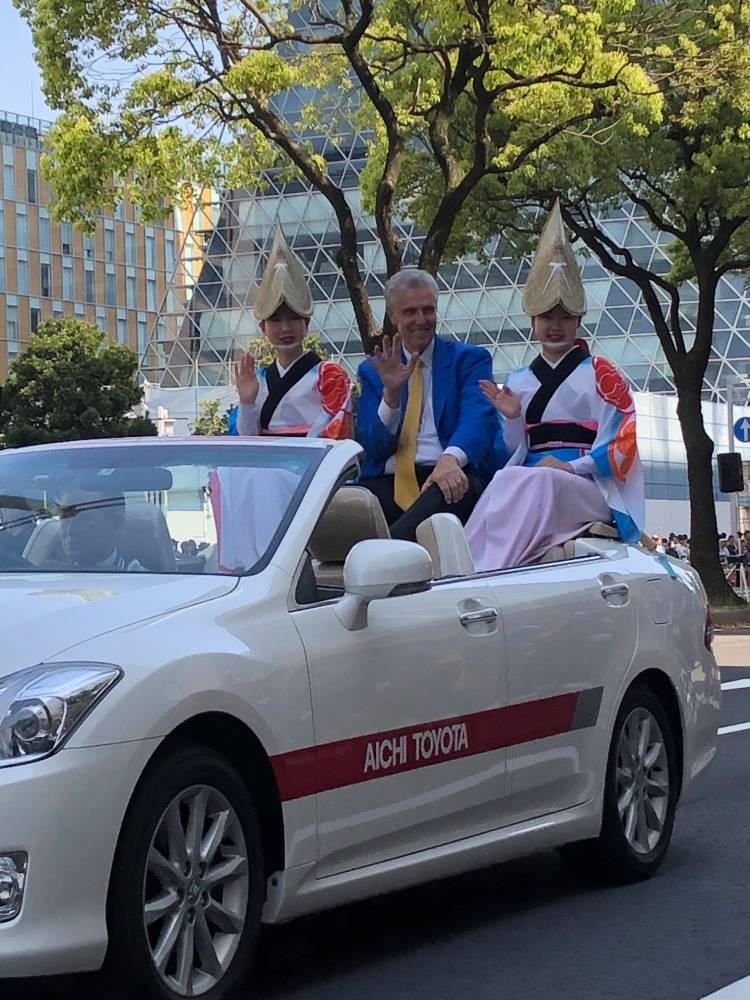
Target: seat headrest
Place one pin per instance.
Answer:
(145, 537)
(353, 515)
(443, 537)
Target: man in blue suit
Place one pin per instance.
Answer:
(425, 425)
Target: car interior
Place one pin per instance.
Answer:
(145, 537)
(355, 515)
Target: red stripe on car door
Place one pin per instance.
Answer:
(379, 755)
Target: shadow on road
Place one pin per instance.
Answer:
(303, 955)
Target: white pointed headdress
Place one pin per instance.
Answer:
(554, 278)
(283, 282)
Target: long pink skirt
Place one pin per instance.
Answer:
(524, 512)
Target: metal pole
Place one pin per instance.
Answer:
(734, 528)
(195, 372)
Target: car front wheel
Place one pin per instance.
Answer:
(640, 795)
(187, 885)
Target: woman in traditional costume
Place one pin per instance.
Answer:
(299, 394)
(567, 438)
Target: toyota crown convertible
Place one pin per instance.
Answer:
(291, 711)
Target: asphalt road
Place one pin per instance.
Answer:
(529, 930)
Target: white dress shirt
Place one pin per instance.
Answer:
(429, 449)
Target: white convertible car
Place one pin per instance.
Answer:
(291, 711)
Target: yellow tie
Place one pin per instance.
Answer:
(405, 486)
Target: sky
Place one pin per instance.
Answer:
(20, 82)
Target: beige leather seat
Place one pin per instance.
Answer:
(146, 537)
(596, 530)
(443, 537)
(568, 549)
(353, 515)
(559, 552)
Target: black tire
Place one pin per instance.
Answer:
(610, 857)
(129, 970)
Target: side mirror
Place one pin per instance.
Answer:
(380, 568)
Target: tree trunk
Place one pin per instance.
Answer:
(704, 533)
(349, 264)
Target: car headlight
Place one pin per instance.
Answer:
(41, 706)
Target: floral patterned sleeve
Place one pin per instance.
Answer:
(334, 388)
(615, 448)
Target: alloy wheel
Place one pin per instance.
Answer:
(642, 781)
(196, 890)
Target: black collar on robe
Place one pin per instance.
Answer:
(550, 380)
(279, 385)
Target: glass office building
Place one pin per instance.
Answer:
(116, 278)
(480, 302)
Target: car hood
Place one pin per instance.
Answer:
(41, 615)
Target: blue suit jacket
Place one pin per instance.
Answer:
(463, 417)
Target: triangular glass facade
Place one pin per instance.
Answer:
(206, 318)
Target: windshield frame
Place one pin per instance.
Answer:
(313, 464)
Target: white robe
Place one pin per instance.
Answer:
(588, 422)
(315, 406)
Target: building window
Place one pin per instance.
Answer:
(120, 210)
(150, 247)
(45, 278)
(11, 322)
(9, 174)
(67, 269)
(129, 244)
(44, 233)
(79, 309)
(35, 316)
(142, 335)
(2, 223)
(122, 331)
(89, 285)
(110, 287)
(130, 290)
(22, 235)
(109, 241)
(66, 231)
(88, 247)
(101, 319)
(151, 294)
(31, 176)
(2, 269)
(57, 310)
(22, 275)
(169, 251)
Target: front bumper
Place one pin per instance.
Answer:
(66, 813)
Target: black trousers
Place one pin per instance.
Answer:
(403, 523)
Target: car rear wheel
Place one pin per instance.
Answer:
(640, 795)
(187, 885)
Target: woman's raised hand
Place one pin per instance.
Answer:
(246, 379)
(502, 398)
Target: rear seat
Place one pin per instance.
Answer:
(353, 515)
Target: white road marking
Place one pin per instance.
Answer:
(734, 729)
(744, 682)
(735, 991)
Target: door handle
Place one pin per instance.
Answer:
(615, 590)
(480, 615)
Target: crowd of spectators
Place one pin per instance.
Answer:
(677, 546)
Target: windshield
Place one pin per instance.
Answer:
(198, 508)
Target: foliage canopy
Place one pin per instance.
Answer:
(68, 386)
(446, 96)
